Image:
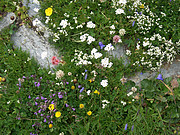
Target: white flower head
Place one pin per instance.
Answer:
(90, 24)
(59, 74)
(88, 92)
(134, 89)
(119, 11)
(104, 83)
(130, 93)
(122, 32)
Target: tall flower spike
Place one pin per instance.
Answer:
(159, 77)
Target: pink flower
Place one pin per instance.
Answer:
(116, 38)
(55, 61)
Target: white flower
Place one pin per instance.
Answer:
(104, 105)
(104, 83)
(94, 50)
(64, 23)
(88, 92)
(110, 64)
(119, 11)
(57, 84)
(8, 102)
(122, 32)
(69, 73)
(105, 101)
(28, 59)
(109, 47)
(18, 101)
(124, 103)
(90, 39)
(128, 52)
(59, 74)
(90, 24)
(97, 55)
(49, 72)
(112, 27)
(105, 62)
(43, 55)
(61, 133)
(134, 89)
(47, 19)
(36, 9)
(36, 2)
(112, 32)
(130, 93)
(36, 22)
(122, 2)
(66, 15)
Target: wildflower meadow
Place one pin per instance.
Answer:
(88, 92)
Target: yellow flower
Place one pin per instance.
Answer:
(81, 106)
(48, 11)
(72, 87)
(89, 113)
(142, 6)
(97, 92)
(3, 79)
(0, 79)
(57, 114)
(51, 107)
(50, 125)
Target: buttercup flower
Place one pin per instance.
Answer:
(57, 114)
(142, 6)
(50, 125)
(89, 113)
(96, 92)
(81, 106)
(51, 107)
(48, 11)
(72, 87)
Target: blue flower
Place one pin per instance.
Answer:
(133, 23)
(82, 89)
(159, 77)
(85, 77)
(85, 70)
(101, 45)
(132, 128)
(126, 126)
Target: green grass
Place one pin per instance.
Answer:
(149, 109)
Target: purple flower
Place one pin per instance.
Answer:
(48, 116)
(126, 126)
(133, 23)
(159, 77)
(42, 98)
(140, 13)
(38, 84)
(67, 82)
(54, 110)
(79, 86)
(31, 75)
(60, 96)
(29, 96)
(23, 77)
(42, 114)
(39, 111)
(138, 38)
(19, 83)
(54, 95)
(44, 120)
(51, 121)
(85, 77)
(33, 125)
(40, 77)
(81, 90)
(37, 98)
(46, 101)
(101, 45)
(67, 105)
(52, 102)
(85, 70)
(73, 109)
(35, 113)
(141, 73)
(36, 103)
(132, 128)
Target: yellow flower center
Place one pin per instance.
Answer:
(57, 114)
(48, 11)
(142, 6)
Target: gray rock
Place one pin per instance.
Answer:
(28, 40)
(6, 21)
